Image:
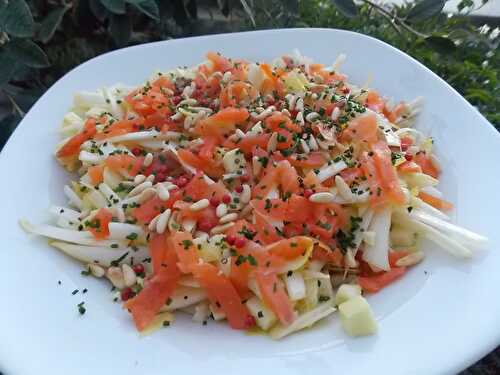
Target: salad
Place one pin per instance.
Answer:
(268, 195)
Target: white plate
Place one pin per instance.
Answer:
(439, 319)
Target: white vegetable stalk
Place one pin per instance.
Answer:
(65, 212)
(315, 265)
(312, 293)
(183, 297)
(303, 321)
(144, 135)
(295, 286)
(99, 254)
(95, 197)
(446, 242)
(363, 227)
(264, 317)
(120, 231)
(378, 254)
(328, 171)
(201, 312)
(432, 191)
(252, 285)
(420, 180)
(463, 235)
(111, 179)
(417, 202)
(68, 235)
(85, 99)
(74, 199)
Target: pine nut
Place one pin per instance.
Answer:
(323, 197)
(343, 189)
(169, 186)
(140, 188)
(411, 259)
(148, 159)
(324, 145)
(239, 133)
(150, 178)
(146, 194)
(300, 118)
(304, 146)
(96, 270)
(120, 215)
(163, 193)
(221, 210)
(291, 99)
(286, 112)
(272, 143)
(246, 194)
(228, 218)
(245, 211)
(189, 101)
(152, 223)
(266, 113)
(335, 114)
(299, 105)
(200, 205)
(139, 179)
(221, 228)
(257, 128)
(115, 275)
(312, 116)
(129, 276)
(313, 145)
(161, 222)
(226, 77)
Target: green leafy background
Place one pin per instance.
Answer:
(40, 40)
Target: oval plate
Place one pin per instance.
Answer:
(439, 319)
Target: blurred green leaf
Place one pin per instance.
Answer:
(148, 7)
(98, 10)
(120, 28)
(16, 19)
(192, 8)
(425, 9)
(27, 53)
(225, 7)
(7, 68)
(441, 44)
(346, 7)
(179, 13)
(478, 94)
(115, 6)
(24, 98)
(7, 126)
(51, 23)
(248, 11)
(85, 21)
